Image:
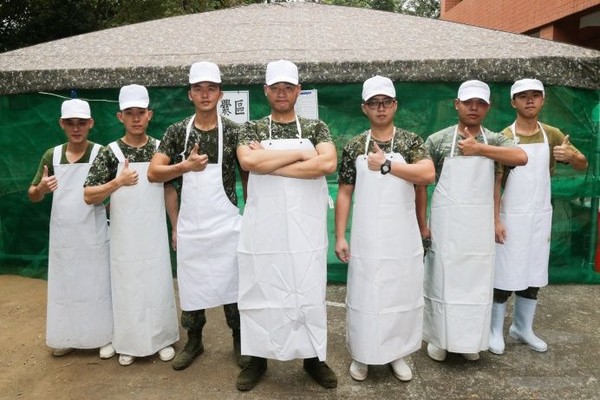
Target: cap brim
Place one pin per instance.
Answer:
(284, 79)
(133, 104)
(474, 94)
(204, 79)
(76, 115)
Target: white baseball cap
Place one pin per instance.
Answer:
(378, 85)
(474, 89)
(75, 108)
(133, 96)
(204, 71)
(282, 71)
(523, 85)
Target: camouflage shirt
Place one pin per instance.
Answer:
(104, 167)
(313, 129)
(48, 157)
(439, 145)
(173, 142)
(408, 144)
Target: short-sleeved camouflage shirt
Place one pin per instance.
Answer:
(104, 168)
(439, 145)
(173, 142)
(48, 157)
(313, 129)
(408, 144)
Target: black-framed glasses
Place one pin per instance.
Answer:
(386, 103)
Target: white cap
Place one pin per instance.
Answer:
(205, 71)
(282, 71)
(133, 96)
(75, 108)
(523, 85)
(474, 90)
(378, 85)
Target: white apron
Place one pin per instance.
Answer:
(459, 269)
(283, 263)
(142, 282)
(207, 236)
(79, 299)
(526, 212)
(384, 299)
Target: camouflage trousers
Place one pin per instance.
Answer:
(195, 320)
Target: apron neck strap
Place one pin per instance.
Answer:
(298, 127)
(513, 128)
(188, 129)
(369, 140)
(455, 136)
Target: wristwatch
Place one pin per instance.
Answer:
(386, 167)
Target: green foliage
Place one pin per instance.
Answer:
(28, 22)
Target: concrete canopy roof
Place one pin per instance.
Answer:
(329, 44)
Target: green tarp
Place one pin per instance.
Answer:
(29, 126)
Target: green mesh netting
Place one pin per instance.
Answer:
(29, 126)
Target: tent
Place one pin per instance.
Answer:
(336, 49)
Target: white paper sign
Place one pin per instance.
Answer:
(235, 106)
(307, 105)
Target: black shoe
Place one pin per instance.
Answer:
(320, 372)
(251, 373)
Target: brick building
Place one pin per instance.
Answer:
(568, 21)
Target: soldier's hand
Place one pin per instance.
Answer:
(128, 176)
(196, 162)
(48, 183)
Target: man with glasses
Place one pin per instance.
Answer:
(524, 215)
(384, 301)
(283, 243)
(459, 267)
(201, 152)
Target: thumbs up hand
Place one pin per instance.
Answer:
(468, 146)
(48, 183)
(128, 176)
(195, 161)
(564, 153)
(375, 159)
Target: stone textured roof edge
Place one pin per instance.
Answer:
(558, 71)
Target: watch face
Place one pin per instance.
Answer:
(386, 167)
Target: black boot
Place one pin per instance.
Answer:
(251, 373)
(320, 372)
(241, 360)
(192, 349)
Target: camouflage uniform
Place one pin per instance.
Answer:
(313, 129)
(408, 144)
(48, 156)
(174, 139)
(439, 145)
(104, 167)
(172, 145)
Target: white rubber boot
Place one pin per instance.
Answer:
(497, 328)
(522, 326)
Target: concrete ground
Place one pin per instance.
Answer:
(568, 319)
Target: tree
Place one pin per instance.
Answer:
(28, 22)
(421, 8)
